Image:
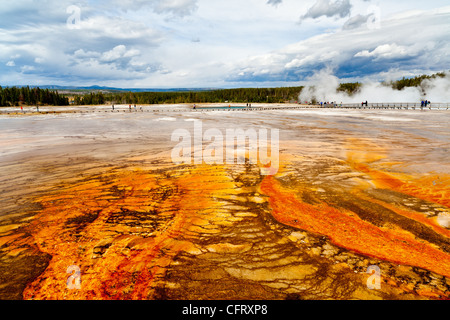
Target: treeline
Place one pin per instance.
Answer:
(90, 99)
(30, 96)
(414, 82)
(349, 88)
(250, 95)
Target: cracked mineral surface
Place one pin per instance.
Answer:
(99, 191)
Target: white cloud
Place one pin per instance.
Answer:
(117, 53)
(356, 21)
(243, 43)
(81, 54)
(27, 68)
(328, 8)
(178, 8)
(119, 57)
(387, 51)
(317, 57)
(274, 2)
(362, 52)
(101, 27)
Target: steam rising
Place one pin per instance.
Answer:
(324, 87)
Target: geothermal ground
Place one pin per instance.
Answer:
(98, 193)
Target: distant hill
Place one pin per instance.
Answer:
(112, 89)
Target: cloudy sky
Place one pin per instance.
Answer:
(216, 43)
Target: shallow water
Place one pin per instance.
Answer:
(99, 190)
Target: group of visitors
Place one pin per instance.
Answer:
(425, 103)
(333, 104)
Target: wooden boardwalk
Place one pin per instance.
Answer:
(225, 108)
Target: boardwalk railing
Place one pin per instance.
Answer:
(156, 109)
(390, 105)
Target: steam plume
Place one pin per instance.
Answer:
(324, 87)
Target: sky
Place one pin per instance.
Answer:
(219, 44)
